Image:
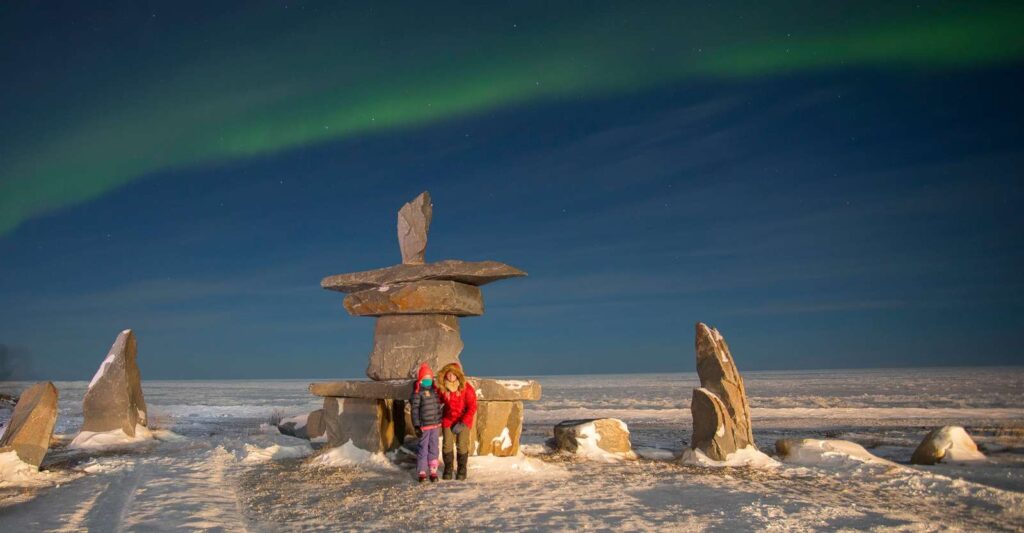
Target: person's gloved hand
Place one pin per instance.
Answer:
(419, 432)
(458, 428)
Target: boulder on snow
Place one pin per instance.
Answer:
(721, 413)
(825, 451)
(308, 426)
(497, 428)
(114, 399)
(947, 444)
(31, 426)
(596, 437)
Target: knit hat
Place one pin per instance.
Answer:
(424, 372)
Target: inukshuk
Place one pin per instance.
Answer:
(417, 306)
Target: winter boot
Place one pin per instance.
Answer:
(433, 477)
(423, 477)
(463, 465)
(449, 465)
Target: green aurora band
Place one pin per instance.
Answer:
(243, 86)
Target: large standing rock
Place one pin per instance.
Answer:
(497, 428)
(947, 444)
(721, 413)
(413, 226)
(31, 426)
(596, 437)
(368, 424)
(114, 399)
(469, 272)
(417, 298)
(402, 342)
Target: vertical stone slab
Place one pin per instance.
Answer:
(719, 375)
(413, 226)
(402, 342)
(368, 424)
(498, 428)
(31, 426)
(114, 399)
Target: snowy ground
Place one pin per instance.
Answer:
(227, 473)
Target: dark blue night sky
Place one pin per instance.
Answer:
(851, 212)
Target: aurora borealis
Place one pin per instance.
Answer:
(829, 183)
(144, 91)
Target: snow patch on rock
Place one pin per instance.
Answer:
(749, 456)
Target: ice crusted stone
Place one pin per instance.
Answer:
(402, 342)
(947, 444)
(401, 389)
(469, 272)
(413, 226)
(114, 399)
(721, 413)
(31, 426)
(368, 424)
(497, 428)
(417, 298)
(594, 437)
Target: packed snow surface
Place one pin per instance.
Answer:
(99, 440)
(203, 479)
(749, 457)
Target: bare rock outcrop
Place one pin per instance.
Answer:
(594, 438)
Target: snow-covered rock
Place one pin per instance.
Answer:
(114, 400)
(832, 452)
(947, 444)
(31, 426)
(603, 439)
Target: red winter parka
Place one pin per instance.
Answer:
(459, 405)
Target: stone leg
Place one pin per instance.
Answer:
(368, 424)
(402, 342)
(498, 427)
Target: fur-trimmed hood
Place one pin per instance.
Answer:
(454, 368)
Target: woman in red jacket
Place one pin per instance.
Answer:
(459, 400)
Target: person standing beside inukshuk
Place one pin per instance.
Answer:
(459, 400)
(426, 418)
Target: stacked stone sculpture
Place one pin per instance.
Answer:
(417, 306)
